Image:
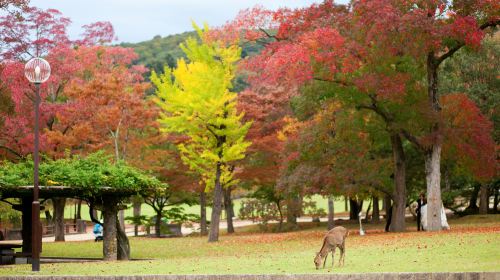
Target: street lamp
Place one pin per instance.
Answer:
(37, 71)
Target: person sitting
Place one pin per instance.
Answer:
(98, 232)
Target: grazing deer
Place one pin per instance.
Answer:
(333, 239)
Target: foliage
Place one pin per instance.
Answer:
(89, 174)
(259, 211)
(9, 215)
(475, 73)
(469, 142)
(311, 209)
(137, 220)
(176, 215)
(199, 105)
(159, 52)
(354, 53)
(64, 114)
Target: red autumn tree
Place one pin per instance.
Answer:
(381, 49)
(36, 33)
(468, 140)
(430, 32)
(306, 46)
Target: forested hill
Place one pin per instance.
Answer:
(160, 51)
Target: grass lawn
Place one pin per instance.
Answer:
(472, 245)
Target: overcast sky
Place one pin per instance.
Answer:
(139, 20)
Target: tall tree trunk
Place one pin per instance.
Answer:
(496, 200)
(433, 156)
(346, 199)
(367, 214)
(293, 209)
(79, 210)
(110, 249)
(203, 213)
(331, 220)
(472, 208)
(59, 204)
(484, 200)
(48, 217)
(354, 209)
(228, 205)
(399, 195)
(433, 178)
(95, 214)
(280, 211)
(121, 218)
(213, 235)
(447, 183)
(376, 210)
(123, 245)
(137, 212)
(388, 211)
(158, 224)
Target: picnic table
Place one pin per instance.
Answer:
(7, 253)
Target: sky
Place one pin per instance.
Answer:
(140, 20)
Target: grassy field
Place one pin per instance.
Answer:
(472, 245)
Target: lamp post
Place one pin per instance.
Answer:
(37, 71)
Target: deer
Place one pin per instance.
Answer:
(333, 239)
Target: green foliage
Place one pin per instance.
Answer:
(475, 73)
(10, 215)
(311, 209)
(89, 174)
(259, 211)
(161, 52)
(177, 215)
(196, 102)
(137, 220)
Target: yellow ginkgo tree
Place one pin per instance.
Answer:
(196, 101)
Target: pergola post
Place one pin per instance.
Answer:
(110, 246)
(26, 223)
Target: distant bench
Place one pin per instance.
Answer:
(7, 253)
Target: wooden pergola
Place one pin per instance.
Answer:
(106, 199)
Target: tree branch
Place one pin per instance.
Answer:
(343, 83)
(453, 50)
(11, 151)
(268, 34)
(414, 140)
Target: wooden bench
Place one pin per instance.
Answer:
(7, 253)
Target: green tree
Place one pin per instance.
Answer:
(196, 102)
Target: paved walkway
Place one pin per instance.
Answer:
(185, 230)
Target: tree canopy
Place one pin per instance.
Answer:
(87, 174)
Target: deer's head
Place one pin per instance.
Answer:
(318, 260)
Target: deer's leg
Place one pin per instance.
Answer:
(324, 261)
(333, 256)
(342, 255)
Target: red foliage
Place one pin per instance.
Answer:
(267, 108)
(469, 137)
(353, 45)
(41, 32)
(97, 33)
(35, 34)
